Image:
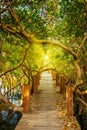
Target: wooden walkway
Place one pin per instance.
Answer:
(45, 113)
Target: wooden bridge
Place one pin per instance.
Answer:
(47, 109)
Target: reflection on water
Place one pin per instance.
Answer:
(14, 96)
(18, 102)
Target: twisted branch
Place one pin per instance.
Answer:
(17, 66)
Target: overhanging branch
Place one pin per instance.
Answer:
(82, 101)
(55, 43)
(82, 43)
(16, 67)
(8, 5)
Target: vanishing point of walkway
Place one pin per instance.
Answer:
(44, 113)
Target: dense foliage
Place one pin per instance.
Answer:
(33, 29)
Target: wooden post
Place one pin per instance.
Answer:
(38, 79)
(69, 100)
(36, 82)
(53, 75)
(57, 78)
(26, 98)
(62, 84)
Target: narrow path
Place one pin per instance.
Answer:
(44, 111)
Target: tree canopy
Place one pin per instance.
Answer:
(39, 34)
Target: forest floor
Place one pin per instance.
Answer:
(47, 110)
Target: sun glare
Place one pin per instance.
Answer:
(46, 57)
